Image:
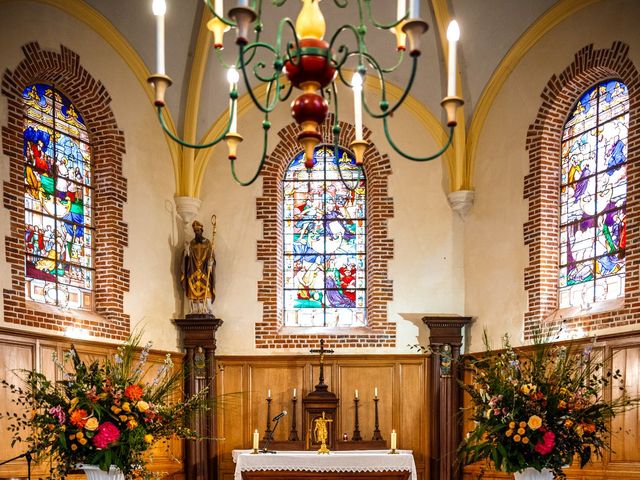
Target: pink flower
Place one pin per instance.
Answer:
(58, 413)
(545, 446)
(107, 433)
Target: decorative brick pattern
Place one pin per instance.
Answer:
(111, 233)
(542, 184)
(379, 332)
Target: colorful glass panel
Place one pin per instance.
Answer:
(593, 197)
(57, 200)
(324, 265)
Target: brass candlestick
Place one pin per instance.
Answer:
(376, 432)
(268, 432)
(356, 428)
(293, 434)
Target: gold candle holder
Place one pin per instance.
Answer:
(393, 451)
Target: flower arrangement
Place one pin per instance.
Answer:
(102, 413)
(540, 407)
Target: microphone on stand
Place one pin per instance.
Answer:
(279, 416)
(276, 419)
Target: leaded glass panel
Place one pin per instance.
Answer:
(57, 200)
(324, 262)
(593, 197)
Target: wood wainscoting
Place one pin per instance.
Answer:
(21, 350)
(623, 462)
(402, 389)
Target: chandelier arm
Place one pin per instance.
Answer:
(197, 146)
(265, 125)
(264, 109)
(283, 98)
(226, 21)
(361, 47)
(411, 157)
(288, 22)
(382, 26)
(388, 111)
(278, 3)
(340, 4)
(388, 69)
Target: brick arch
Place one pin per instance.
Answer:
(379, 332)
(92, 100)
(542, 185)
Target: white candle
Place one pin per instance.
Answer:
(232, 78)
(402, 9)
(256, 439)
(394, 440)
(375, 392)
(159, 9)
(453, 35)
(294, 393)
(243, 3)
(414, 9)
(218, 8)
(356, 394)
(356, 83)
(269, 393)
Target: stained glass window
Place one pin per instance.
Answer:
(58, 176)
(324, 241)
(593, 196)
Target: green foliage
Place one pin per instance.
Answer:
(102, 413)
(539, 407)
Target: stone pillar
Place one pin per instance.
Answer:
(445, 340)
(199, 342)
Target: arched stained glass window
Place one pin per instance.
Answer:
(58, 178)
(593, 197)
(324, 241)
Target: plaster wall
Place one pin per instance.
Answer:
(494, 252)
(149, 211)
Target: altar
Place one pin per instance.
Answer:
(305, 465)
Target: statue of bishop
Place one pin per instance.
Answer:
(198, 271)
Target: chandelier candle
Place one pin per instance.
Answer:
(159, 10)
(414, 9)
(453, 35)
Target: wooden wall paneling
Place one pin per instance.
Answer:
(412, 419)
(279, 377)
(234, 432)
(625, 442)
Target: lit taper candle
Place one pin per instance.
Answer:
(453, 35)
(356, 84)
(356, 393)
(232, 78)
(256, 439)
(414, 9)
(269, 393)
(218, 8)
(159, 9)
(402, 9)
(294, 393)
(375, 392)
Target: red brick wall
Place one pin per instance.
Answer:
(111, 233)
(380, 332)
(542, 184)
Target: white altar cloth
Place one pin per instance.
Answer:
(343, 461)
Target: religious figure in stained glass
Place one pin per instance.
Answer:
(324, 241)
(58, 195)
(593, 197)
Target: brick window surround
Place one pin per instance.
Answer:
(269, 332)
(542, 190)
(63, 70)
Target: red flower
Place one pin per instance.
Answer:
(107, 433)
(133, 392)
(545, 446)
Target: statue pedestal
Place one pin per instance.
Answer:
(199, 341)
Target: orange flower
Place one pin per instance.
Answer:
(79, 418)
(133, 392)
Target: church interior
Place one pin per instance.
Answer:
(362, 278)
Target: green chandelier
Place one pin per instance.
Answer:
(312, 66)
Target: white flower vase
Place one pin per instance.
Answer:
(533, 474)
(93, 472)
